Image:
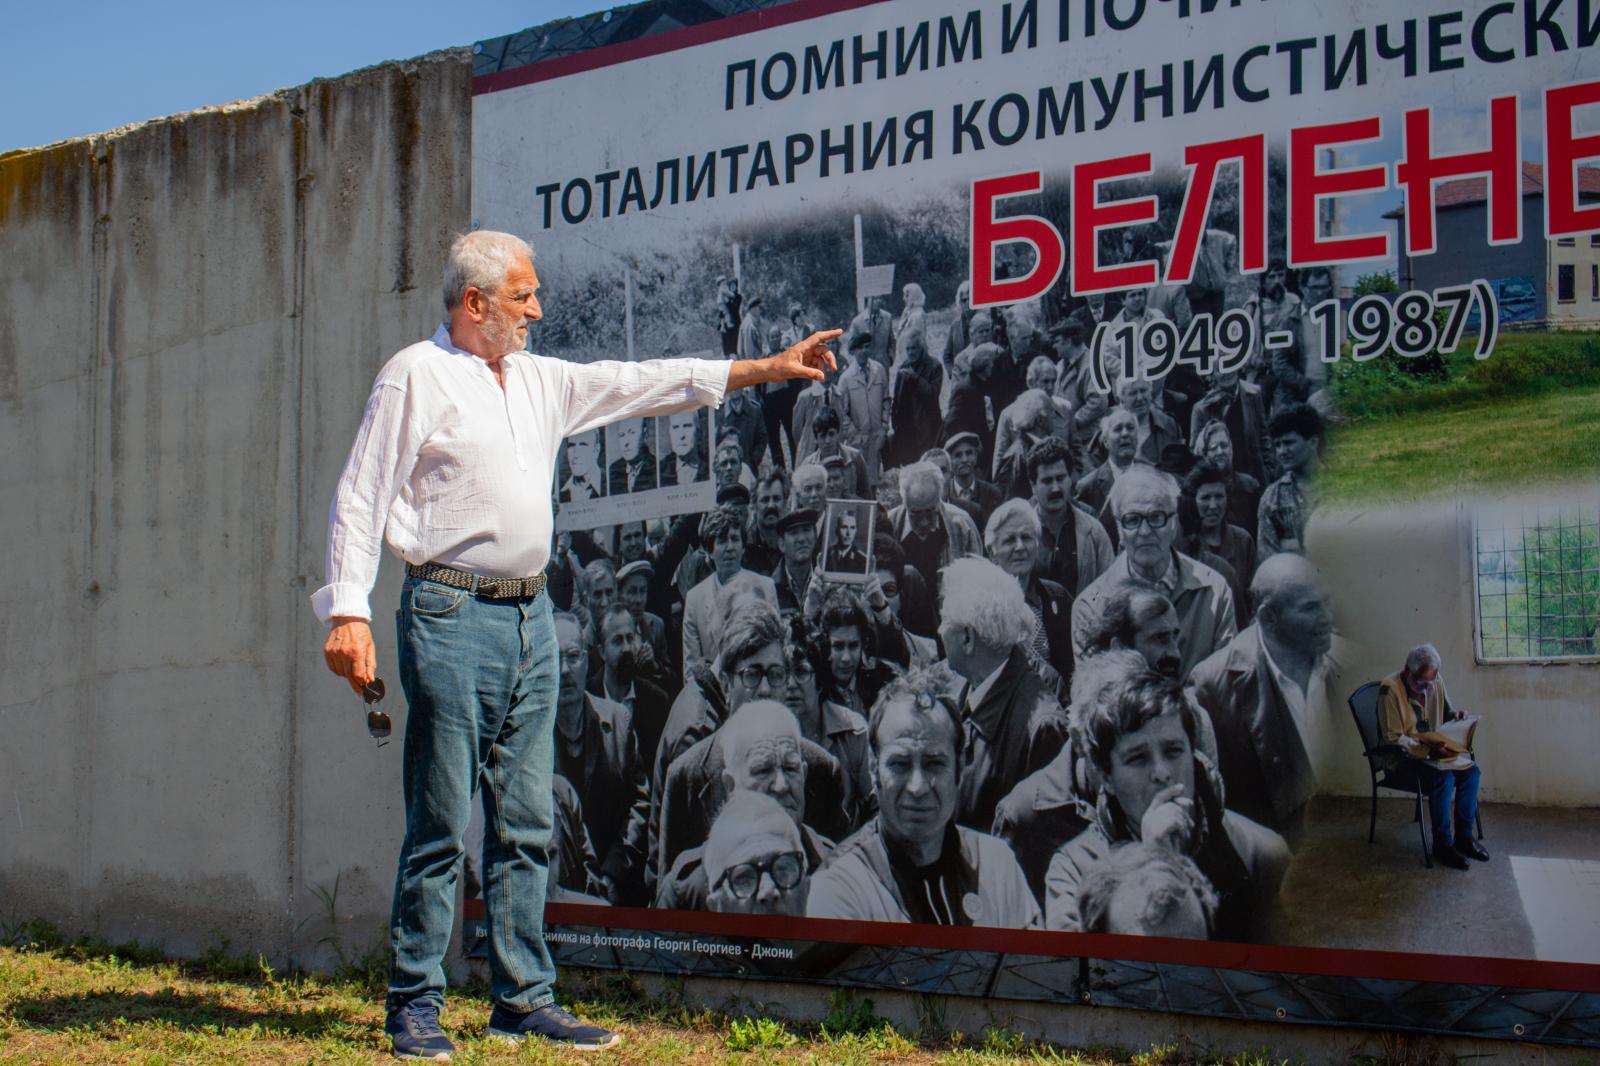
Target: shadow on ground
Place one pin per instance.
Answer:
(200, 1012)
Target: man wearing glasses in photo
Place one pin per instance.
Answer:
(688, 785)
(1144, 503)
(761, 752)
(754, 860)
(466, 425)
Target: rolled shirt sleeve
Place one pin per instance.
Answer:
(378, 466)
(599, 393)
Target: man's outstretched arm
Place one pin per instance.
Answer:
(599, 393)
(810, 359)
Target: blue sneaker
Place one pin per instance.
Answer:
(414, 1029)
(553, 1024)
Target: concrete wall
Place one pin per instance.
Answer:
(1403, 576)
(191, 314)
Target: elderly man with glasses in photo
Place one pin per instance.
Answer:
(754, 861)
(688, 784)
(759, 750)
(1144, 502)
(933, 533)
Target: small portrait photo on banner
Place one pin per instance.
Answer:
(630, 443)
(682, 443)
(847, 539)
(583, 468)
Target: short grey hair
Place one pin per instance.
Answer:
(1124, 383)
(985, 599)
(480, 260)
(1041, 365)
(1120, 412)
(809, 472)
(1139, 477)
(921, 472)
(1421, 657)
(1010, 511)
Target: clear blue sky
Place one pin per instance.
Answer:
(69, 68)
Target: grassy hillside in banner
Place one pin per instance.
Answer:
(1528, 414)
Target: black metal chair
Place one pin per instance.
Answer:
(1385, 762)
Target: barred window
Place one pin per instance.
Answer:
(1538, 583)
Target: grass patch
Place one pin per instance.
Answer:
(1523, 364)
(751, 1034)
(88, 1002)
(1514, 441)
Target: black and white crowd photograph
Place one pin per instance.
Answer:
(973, 634)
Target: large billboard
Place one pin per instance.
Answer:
(1192, 570)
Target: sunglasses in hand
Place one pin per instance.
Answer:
(378, 723)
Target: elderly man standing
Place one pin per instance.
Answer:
(1414, 702)
(916, 382)
(932, 532)
(965, 484)
(969, 408)
(1267, 694)
(913, 863)
(1144, 502)
(1119, 434)
(1013, 538)
(797, 538)
(863, 386)
(478, 652)
(1011, 717)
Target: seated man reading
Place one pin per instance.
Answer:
(1412, 706)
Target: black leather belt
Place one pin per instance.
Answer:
(493, 588)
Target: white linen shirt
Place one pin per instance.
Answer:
(451, 468)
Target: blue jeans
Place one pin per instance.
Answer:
(480, 678)
(1447, 791)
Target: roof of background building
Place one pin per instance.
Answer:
(1469, 191)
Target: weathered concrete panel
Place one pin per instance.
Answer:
(191, 313)
(381, 235)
